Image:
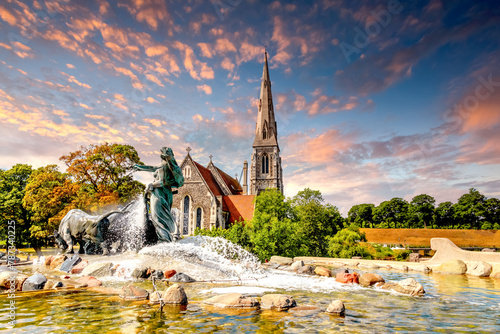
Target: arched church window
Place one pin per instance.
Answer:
(199, 212)
(185, 220)
(265, 164)
(264, 134)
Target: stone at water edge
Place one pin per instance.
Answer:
(297, 265)
(70, 263)
(154, 297)
(322, 271)
(79, 267)
(98, 269)
(89, 281)
(57, 261)
(281, 260)
(307, 269)
(132, 292)
(232, 300)
(169, 273)
(336, 307)
(279, 302)
(175, 295)
(347, 278)
(158, 273)
(180, 277)
(35, 282)
(5, 279)
(479, 268)
(456, 267)
(141, 272)
(369, 279)
(408, 287)
(53, 284)
(495, 272)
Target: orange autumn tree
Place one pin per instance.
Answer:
(49, 195)
(104, 174)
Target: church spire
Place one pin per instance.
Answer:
(266, 130)
(266, 171)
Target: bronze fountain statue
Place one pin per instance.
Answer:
(96, 233)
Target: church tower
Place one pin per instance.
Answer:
(266, 170)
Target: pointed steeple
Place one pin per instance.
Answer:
(266, 133)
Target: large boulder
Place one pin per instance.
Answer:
(79, 267)
(232, 300)
(479, 268)
(8, 277)
(34, 282)
(277, 302)
(322, 271)
(307, 270)
(70, 263)
(281, 260)
(495, 272)
(347, 278)
(408, 287)
(369, 279)
(89, 281)
(456, 267)
(180, 277)
(57, 261)
(175, 295)
(132, 292)
(336, 307)
(297, 265)
(99, 269)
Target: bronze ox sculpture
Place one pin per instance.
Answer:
(79, 227)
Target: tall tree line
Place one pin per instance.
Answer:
(472, 211)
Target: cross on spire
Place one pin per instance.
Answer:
(210, 156)
(188, 149)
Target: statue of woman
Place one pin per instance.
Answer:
(166, 176)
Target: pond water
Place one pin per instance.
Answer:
(452, 303)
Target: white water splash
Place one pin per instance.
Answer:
(135, 225)
(217, 254)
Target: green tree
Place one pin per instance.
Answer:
(444, 215)
(492, 211)
(317, 220)
(273, 232)
(361, 215)
(422, 210)
(392, 214)
(49, 195)
(12, 188)
(346, 243)
(105, 171)
(470, 210)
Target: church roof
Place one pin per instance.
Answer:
(232, 183)
(209, 179)
(240, 207)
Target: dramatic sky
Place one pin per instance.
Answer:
(373, 99)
